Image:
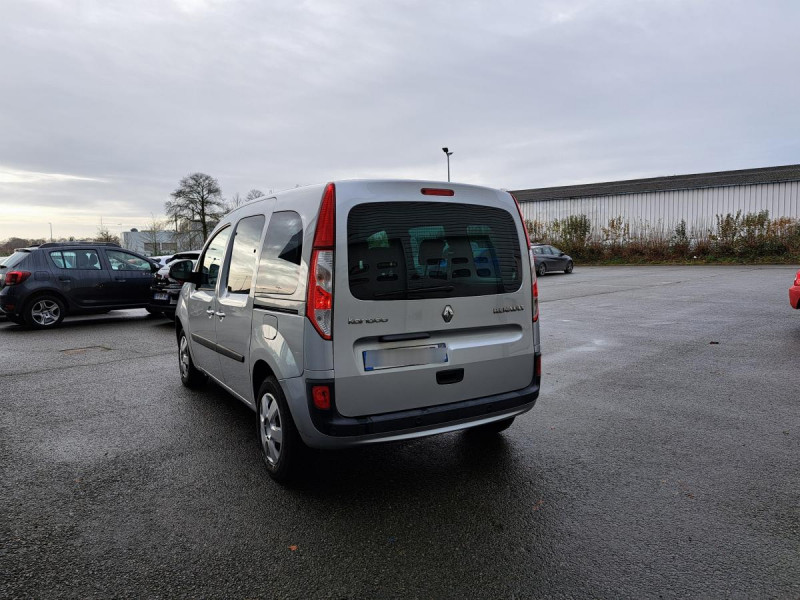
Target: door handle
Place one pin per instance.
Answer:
(221, 315)
(64, 279)
(119, 279)
(210, 313)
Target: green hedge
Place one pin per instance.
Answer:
(751, 237)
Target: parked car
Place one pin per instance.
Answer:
(549, 258)
(41, 285)
(794, 292)
(161, 260)
(423, 292)
(165, 289)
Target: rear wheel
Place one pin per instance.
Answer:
(191, 376)
(541, 269)
(277, 434)
(569, 268)
(492, 428)
(44, 312)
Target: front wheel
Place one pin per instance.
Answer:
(191, 376)
(277, 434)
(541, 269)
(44, 312)
(569, 268)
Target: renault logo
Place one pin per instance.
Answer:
(447, 313)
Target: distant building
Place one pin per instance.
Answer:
(143, 242)
(663, 202)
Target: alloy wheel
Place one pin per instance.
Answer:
(270, 428)
(45, 313)
(183, 357)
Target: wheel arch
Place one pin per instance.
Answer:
(32, 297)
(261, 370)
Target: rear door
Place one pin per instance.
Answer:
(432, 299)
(80, 276)
(234, 315)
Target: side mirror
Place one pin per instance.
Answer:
(183, 271)
(563, 254)
(154, 267)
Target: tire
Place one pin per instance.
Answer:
(280, 443)
(541, 269)
(191, 376)
(492, 428)
(569, 268)
(44, 312)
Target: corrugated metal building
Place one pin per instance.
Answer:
(660, 203)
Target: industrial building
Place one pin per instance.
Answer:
(150, 243)
(661, 203)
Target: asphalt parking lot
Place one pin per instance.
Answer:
(661, 460)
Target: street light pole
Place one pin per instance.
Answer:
(51, 231)
(448, 153)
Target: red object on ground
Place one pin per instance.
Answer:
(794, 292)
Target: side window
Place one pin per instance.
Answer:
(243, 254)
(122, 261)
(538, 249)
(279, 268)
(212, 259)
(76, 259)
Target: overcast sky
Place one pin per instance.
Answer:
(106, 104)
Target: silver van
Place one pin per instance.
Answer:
(365, 311)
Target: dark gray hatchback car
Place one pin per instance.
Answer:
(40, 285)
(549, 258)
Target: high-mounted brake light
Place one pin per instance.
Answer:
(319, 297)
(437, 192)
(15, 277)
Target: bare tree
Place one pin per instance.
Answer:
(104, 235)
(254, 194)
(154, 227)
(234, 202)
(197, 202)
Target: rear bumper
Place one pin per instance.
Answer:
(329, 429)
(166, 306)
(7, 300)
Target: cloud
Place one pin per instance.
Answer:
(133, 96)
(11, 176)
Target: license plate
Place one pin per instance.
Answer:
(159, 296)
(408, 356)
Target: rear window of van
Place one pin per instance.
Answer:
(415, 250)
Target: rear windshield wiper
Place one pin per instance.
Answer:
(433, 288)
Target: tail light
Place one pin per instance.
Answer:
(797, 279)
(15, 277)
(319, 297)
(535, 294)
